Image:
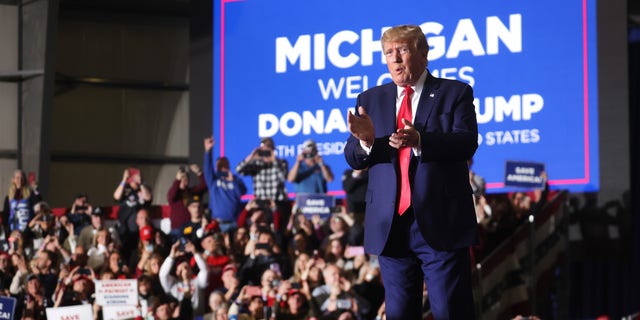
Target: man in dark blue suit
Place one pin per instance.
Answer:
(423, 237)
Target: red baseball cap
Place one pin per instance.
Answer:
(146, 233)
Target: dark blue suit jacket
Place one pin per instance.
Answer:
(441, 193)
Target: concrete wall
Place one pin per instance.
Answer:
(96, 129)
(8, 95)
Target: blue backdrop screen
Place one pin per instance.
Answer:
(292, 69)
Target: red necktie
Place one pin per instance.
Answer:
(404, 154)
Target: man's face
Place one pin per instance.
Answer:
(96, 221)
(331, 275)
(142, 217)
(43, 261)
(404, 61)
(194, 209)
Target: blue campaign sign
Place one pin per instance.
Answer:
(291, 70)
(311, 204)
(7, 307)
(522, 174)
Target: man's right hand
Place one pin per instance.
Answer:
(361, 126)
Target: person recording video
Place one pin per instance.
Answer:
(268, 172)
(310, 174)
(182, 284)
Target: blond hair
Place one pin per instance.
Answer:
(410, 33)
(24, 190)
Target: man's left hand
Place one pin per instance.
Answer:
(405, 137)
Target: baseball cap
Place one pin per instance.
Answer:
(229, 267)
(212, 227)
(97, 211)
(31, 277)
(146, 233)
(309, 143)
(310, 146)
(193, 199)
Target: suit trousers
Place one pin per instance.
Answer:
(407, 262)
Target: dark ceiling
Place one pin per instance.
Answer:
(199, 12)
(191, 8)
(141, 7)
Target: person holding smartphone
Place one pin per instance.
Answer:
(309, 173)
(80, 212)
(131, 194)
(337, 294)
(183, 285)
(181, 190)
(269, 175)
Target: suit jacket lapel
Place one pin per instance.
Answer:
(389, 109)
(427, 100)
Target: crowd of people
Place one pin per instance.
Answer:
(223, 259)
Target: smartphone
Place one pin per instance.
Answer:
(183, 242)
(263, 203)
(343, 304)
(253, 291)
(275, 267)
(84, 271)
(263, 246)
(31, 177)
(264, 152)
(132, 173)
(356, 251)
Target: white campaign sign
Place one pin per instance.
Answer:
(117, 292)
(80, 312)
(120, 312)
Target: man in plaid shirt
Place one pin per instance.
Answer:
(269, 173)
